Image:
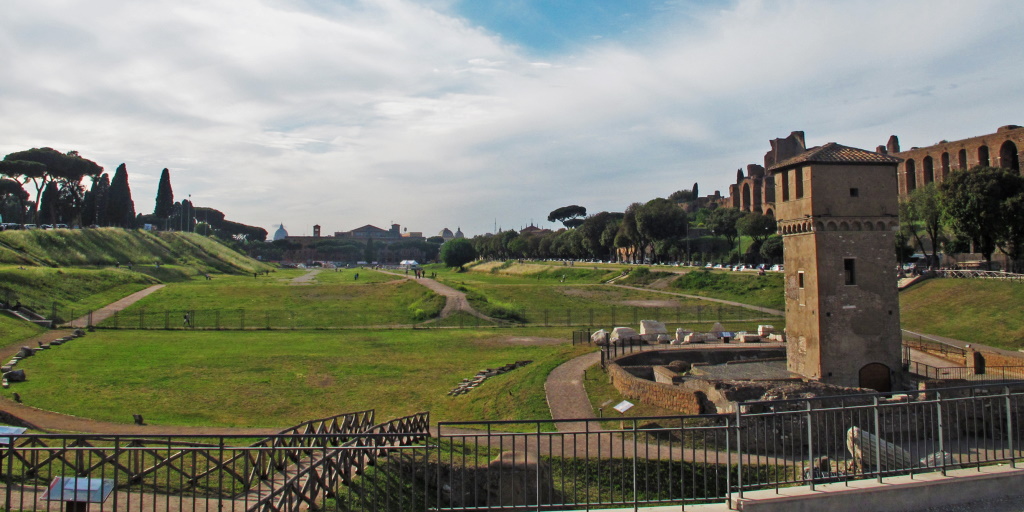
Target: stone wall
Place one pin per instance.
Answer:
(666, 396)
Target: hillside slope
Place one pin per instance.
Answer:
(987, 312)
(113, 246)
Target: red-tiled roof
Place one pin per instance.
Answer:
(833, 153)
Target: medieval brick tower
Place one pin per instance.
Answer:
(837, 211)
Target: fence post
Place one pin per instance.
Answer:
(739, 450)
(1009, 426)
(942, 434)
(878, 438)
(810, 444)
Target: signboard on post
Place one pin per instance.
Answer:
(623, 406)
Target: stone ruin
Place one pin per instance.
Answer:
(467, 385)
(654, 332)
(10, 374)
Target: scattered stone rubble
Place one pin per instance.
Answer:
(9, 374)
(468, 384)
(654, 332)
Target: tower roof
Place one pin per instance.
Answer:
(833, 153)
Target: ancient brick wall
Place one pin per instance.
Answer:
(665, 396)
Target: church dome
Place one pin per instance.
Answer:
(458, 233)
(446, 234)
(280, 234)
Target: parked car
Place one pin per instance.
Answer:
(778, 268)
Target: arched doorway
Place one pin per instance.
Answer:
(875, 376)
(944, 173)
(983, 156)
(1008, 157)
(929, 170)
(961, 159)
(745, 201)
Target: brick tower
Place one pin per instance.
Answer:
(837, 211)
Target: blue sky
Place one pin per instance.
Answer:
(461, 113)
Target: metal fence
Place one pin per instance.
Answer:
(980, 274)
(250, 319)
(532, 465)
(962, 373)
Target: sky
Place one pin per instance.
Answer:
(486, 114)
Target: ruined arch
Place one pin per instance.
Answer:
(1008, 157)
(831, 226)
(875, 376)
(961, 159)
(843, 226)
(983, 156)
(745, 200)
(944, 166)
(928, 168)
(820, 226)
(869, 226)
(911, 175)
(856, 225)
(769, 213)
(881, 226)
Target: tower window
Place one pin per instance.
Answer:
(800, 279)
(854, 192)
(850, 271)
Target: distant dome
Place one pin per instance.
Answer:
(446, 234)
(458, 233)
(280, 234)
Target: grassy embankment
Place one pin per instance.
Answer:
(986, 312)
(76, 271)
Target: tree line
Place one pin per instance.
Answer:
(976, 210)
(61, 196)
(659, 230)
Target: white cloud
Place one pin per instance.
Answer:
(361, 112)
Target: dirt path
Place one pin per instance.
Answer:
(108, 311)
(305, 279)
(709, 299)
(454, 299)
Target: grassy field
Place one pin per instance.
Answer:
(986, 312)
(276, 379)
(331, 299)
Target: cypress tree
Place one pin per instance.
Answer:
(101, 199)
(120, 207)
(48, 204)
(164, 196)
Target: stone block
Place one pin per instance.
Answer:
(765, 330)
(652, 327)
(621, 334)
(600, 337)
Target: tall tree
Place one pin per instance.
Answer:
(722, 222)
(48, 204)
(164, 196)
(975, 202)
(12, 201)
(67, 169)
(570, 216)
(456, 253)
(661, 222)
(921, 217)
(120, 207)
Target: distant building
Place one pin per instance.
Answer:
(280, 234)
(447, 234)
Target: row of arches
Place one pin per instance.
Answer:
(929, 171)
(793, 228)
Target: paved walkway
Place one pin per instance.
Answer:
(108, 311)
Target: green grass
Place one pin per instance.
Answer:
(113, 246)
(73, 291)
(744, 287)
(332, 299)
(13, 330)
(280, 378)
(976, 311)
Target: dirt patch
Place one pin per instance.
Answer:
(320, 381)
(524, 340)
(650, 303)
(582, 292)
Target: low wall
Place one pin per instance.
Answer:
(666, 396)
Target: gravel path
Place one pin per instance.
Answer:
(454, 299)
(720, 301)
